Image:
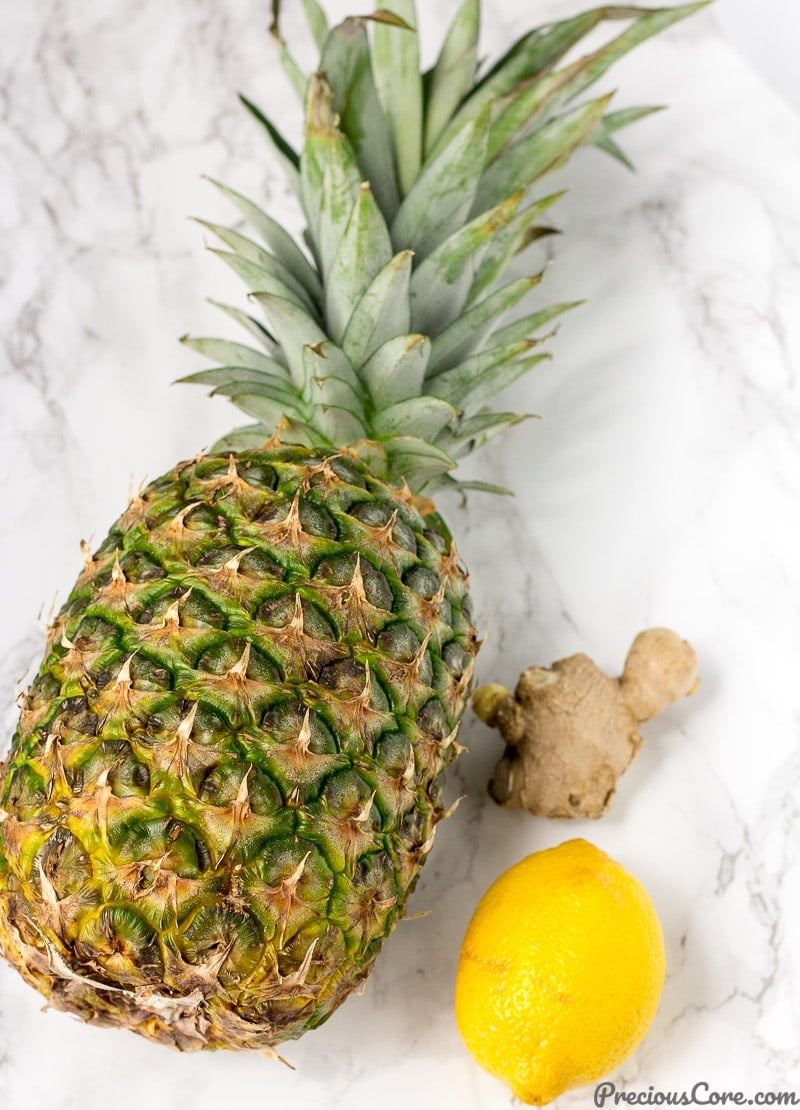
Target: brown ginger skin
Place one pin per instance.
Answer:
(571, 731)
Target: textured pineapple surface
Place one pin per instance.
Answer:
(229, 769)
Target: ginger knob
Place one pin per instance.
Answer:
(571, 730)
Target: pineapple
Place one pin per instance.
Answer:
(228, 771)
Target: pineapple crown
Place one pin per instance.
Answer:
(385, 330)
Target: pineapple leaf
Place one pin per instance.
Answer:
(329, 172)
(261, 278)
(227, 375)
(243, 439)
(338, 410)
(508, 241)
(364, 250)
(440, 201)
(527, 325)
(396, 371)
(475, 380)
(287, 155)
(454, 72)
(613, 121)
(389, 19)
(317, 22)
(258, 400)
(335, 392)
(537, 154)
(424, 417)
(297, 79)
(646, 24)
(300, 431)
(397, 355)
(448, 482)
(532, 55)
(294, 328)
(415, 460)
(346, 63)
(537, 52)
(250, 251)
(609, 146)
(441, 284)
(249, 323)
(466, 333)
(235, 354)
(277, 239)
(496, 377)
(382, 312)
(395, 67)
(538, 97)
(475, 431)
(326, 360)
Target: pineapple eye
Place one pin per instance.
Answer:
(201, 518)
(433, 719)
(368, 512)
(258, 564)
(138, 838)
(221, 784)
(129, 778)
(215, 929)
(422, 581)
(282, 857)
(149, 675)
(215, 467)
(259, 475)
(171, 843)
(120, 935)
(455, 658)
(436, 539)
(284, 722)
(78, 717)
(399, 642)
(393, 752)
(93, 633)
(198, 612)
(340, 569)
(26, 795)
(379, 515)
(209, 728)
(348, 473)
(265, 798)
(138, 567)
(219, 659)
(217, 556)
(348, 675)
(44, 688)
(317, 521)
(65, 863)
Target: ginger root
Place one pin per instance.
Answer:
(571, 731)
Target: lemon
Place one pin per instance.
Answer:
(560, 971)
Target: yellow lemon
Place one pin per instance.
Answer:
(560, 971)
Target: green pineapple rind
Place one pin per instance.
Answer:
(228, 771)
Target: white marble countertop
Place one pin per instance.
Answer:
(662, 486)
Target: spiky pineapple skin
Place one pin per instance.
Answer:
(228, 770)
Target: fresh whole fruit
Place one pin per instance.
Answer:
(560, 971)
(228, 769)
(570, 730)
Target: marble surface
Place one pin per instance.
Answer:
(661, 486)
